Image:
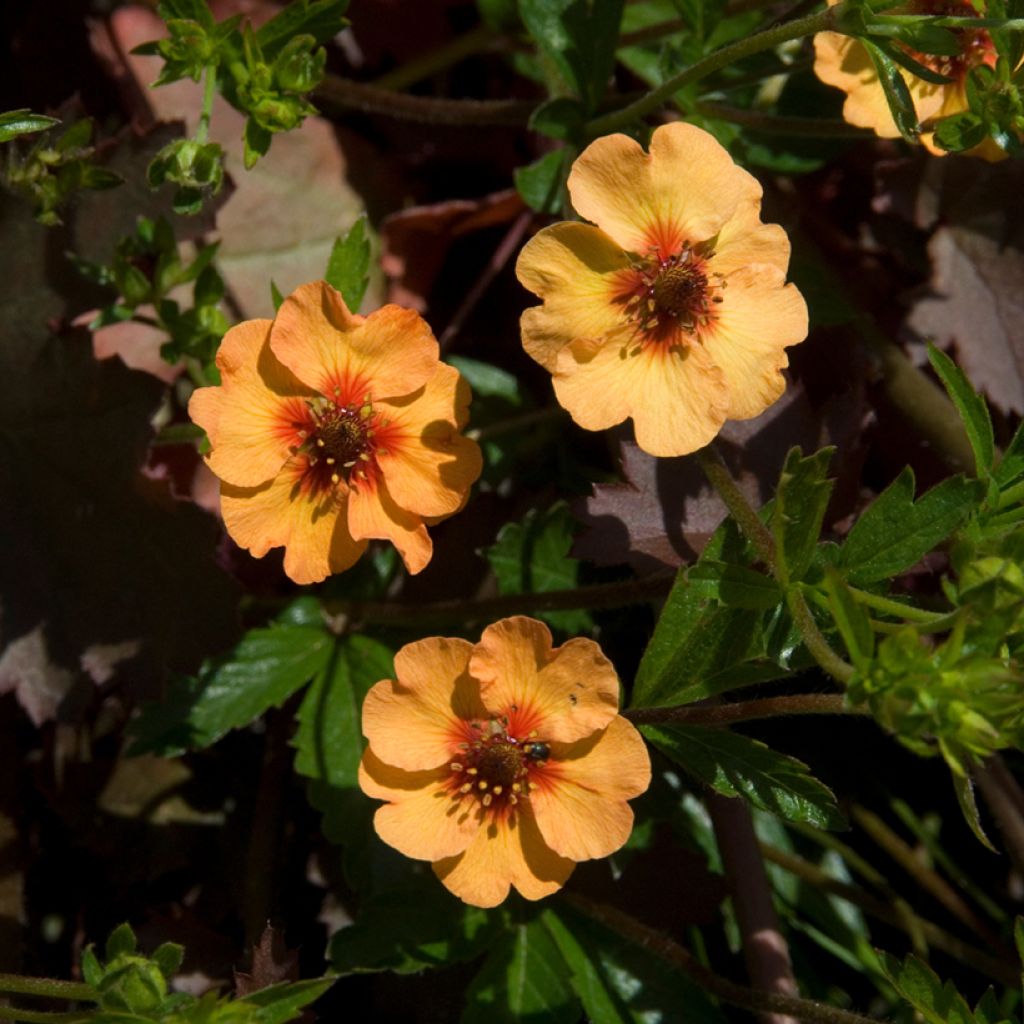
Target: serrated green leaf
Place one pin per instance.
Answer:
(694, 643)
(800, 502)
(915, 981)
(579, 37)
(972, 408)
(263, 671)
(735, 586)
(736, 765)
(964, 788)
(523, 978)
(321, 19)
(851, 620)
(121, 942)
(542, 183)
(349, 265)
(284, 1002)
(532, 557)
(895, 532)
(168, 957)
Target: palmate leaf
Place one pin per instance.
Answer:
(349, 265)
(972, 408)
(736, 765)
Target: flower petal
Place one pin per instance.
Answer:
(564, 693)
(686, 188)
(389, 353)
(422, 819)
(580, 800)
(744, 242)
(757, 320)
(676, 395)
(312, 528)
(374, 515)
(568, 265)
(416, 720)
(430, 467)
(504, 853)
(248, 418)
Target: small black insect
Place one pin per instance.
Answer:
(536, 750)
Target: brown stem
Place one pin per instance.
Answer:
(764, 946)
(600, 595)
(342, 93)
(929, 879)
(746, 710)
(737, 995)
(1006, 802)
(1004, 972)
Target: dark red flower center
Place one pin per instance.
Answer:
(976, 46)
(670, 298)
(496, 767)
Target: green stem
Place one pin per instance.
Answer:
(206, 112)
(1011, 495)
(823, 21)
(946, 21)
(42, 1017)
(720, 478)
(812, 636)
(49, 988)
(720, 715)
(728, 991)
(897, 608)
(429, 64)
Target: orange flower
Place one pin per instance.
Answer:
(503, 762)
(329, 429)
(674, 309)
(843, 62)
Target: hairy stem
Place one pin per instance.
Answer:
(42, 1016)
(765, 951)
(815, 640)
(719, 715)
(50, 988)
(766, 40)
(206, 112)
(898, 608)
(728, 991)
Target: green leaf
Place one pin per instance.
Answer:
(915, 981)
(321, 19)
(851, 620)
(275, 296)
(263, 671)
(542, 183)
(960, 132)
(964, 788)
(23, 122)
(348, 267)
(523, 978)
(489, 381)
(897, 95)
(560, 118)
(579, 37)
(895, 532)
(532, 557)
(168, 957)
(121, 942)
(694, 643)
(736, 765)
(800, 502)
(329, 741)
(735, 586)
(284, 1002)
(972, 408)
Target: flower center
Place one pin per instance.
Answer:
(340, 440)
(665, 296)
(976, 46)
(496, 767)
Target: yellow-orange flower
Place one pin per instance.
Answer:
(329, 429)
(503, 762)
(674, 309)
(842, 61)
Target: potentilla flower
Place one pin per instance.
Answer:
(674, 309)
(329, 429)
(503, 762)
(842, 61)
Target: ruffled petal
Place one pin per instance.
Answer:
(569, 266)
(374, 515)
(677, 397)
(429, 466)
(686, 188)
(312, 528)
(757, 320)
(392, 352)
(417, 720)
(580, 801)
(422, 819)
(249, 417)
(504, 853)
(563, 694)
(745, 242)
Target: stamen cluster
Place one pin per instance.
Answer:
(666, 295)
(340, 440)
(975, 44)
(496, 767)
